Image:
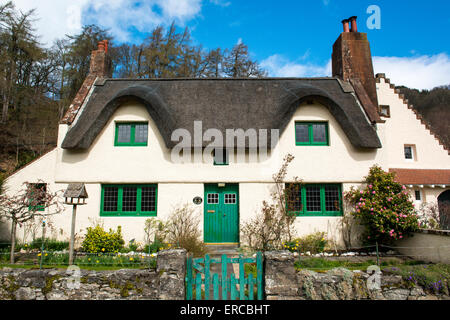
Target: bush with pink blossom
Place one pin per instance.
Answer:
(384, 207)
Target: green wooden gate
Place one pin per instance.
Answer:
(201, 284)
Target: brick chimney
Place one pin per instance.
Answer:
(100, 67)
(352, 61)
(101, 64)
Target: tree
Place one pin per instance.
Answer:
(19, 51)
(238, 64)
(274, 225)
(384, 207)
(78, 57)
(29, 203)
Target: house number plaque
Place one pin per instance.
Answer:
(198, 200)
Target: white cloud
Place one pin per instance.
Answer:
(55, 19)
(61, 17)
(278, 66)
(221, 3)
(421, 72)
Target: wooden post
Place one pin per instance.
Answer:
(72, 235)
(378, 255)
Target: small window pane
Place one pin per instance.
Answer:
(313, 199)
(320, 133)
(148, 199)
(418, 195)
(332, 198)
(408, 153)
(213, 198)
(110, 198)
(141, 133)
(302, 133)
(123, 133)
(230, 198)
(129, 199)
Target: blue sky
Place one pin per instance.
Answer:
(288, 37)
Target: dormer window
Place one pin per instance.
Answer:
(311, 134)
(131, 135)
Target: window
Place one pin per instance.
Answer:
(410, 152)
(314, 199)
(385, 111)
(230, 198)
(221, 157)
(418, 195)
(131, 135)
(129, 200)
(311, 134)
(213, 198)
(37, 190)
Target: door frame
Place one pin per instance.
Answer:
(238, 205)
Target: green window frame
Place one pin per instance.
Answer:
(310, 141)
(132, 129)
(314, 200)
(38, 207)
(225, 157)
(129, 200)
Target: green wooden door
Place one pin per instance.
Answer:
(221, 222)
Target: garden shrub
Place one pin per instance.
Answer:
(274, 224)
(384, 207)
(313, 243)
(183, 230)
(97, 240)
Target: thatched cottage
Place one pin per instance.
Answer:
(139, 145)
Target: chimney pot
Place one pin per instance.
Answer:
(353, 23)
(101, 46)
(346, 26)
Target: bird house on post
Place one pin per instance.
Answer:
(75, 194)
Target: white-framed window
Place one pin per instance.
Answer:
(213, 198)
(410, 152)
(418, 195)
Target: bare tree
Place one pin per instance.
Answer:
(274, 225)
(34, 200)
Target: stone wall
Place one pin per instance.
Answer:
(283, 282)
(427, 245)
(164, 283)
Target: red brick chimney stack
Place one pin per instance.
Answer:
(352, 61)
(101, 64)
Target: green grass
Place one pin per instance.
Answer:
(90, 262)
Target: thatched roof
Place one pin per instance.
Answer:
(267, 103)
